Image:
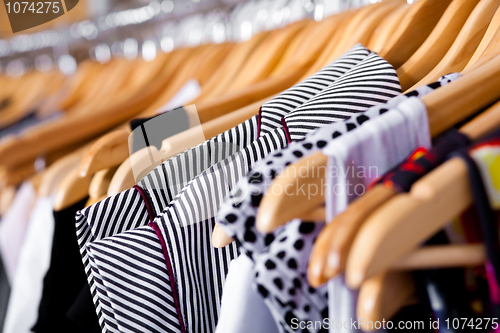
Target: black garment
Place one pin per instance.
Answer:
(83, 313)
(64, 279)
(4, 294)
(444, 291)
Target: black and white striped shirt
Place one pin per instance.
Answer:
(184, 228)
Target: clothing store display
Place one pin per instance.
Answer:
(64, 279)
(280, 166)
(34, 261)
(13, 227)
(193, 212)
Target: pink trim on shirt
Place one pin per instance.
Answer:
(170, 274)
(147, 202)
(259, 122)
(154, 226)
(287, 131)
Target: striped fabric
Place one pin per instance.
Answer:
(185, 228)
(199, 269)
(127, 211)
(290, 99)
(352, 93)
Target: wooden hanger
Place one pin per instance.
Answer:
(466, 42)
(387, 28)
(444, 110)
(112, 148)
(15, 176)
(99, 185)
(40, 85)
(217, 84)
(71, 189)
(197, 64)
(445, 192)
(487, 38)
(312, 50)
(261, 63)
(416, 27)
(489, 47)
(359, 29)
(296, 47)
(57, 171)
(381, 297)
(123, 178)
(329, 47)
(76, 86)
(430, 53)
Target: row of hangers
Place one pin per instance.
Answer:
(423, 41)
(316, 45)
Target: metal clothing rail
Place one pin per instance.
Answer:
(160, 25)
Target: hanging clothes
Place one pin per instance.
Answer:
(95, 223)
(237, 216)
(192, 213)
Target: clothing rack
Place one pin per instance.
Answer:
(271, 166)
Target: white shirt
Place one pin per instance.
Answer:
(34, 261)
(13, 227)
